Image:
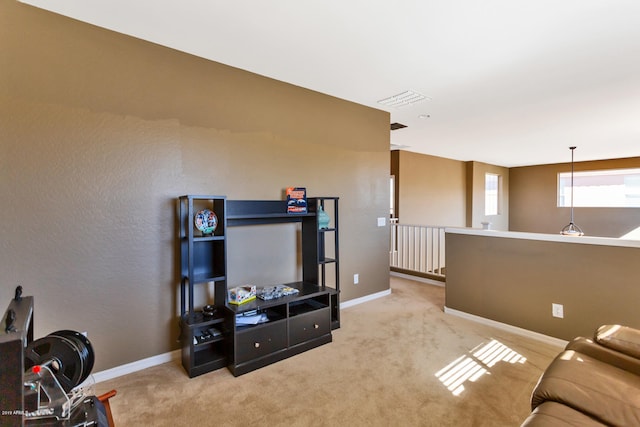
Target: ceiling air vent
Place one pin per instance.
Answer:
(405, 98)
(396, 126)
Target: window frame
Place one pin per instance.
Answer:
(492, 197)
(608, 188)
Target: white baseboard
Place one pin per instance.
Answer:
(365, 298)
(149, 362)
(138, 365)
(417, 279)
(509, 328)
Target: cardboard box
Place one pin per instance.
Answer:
(242, 294)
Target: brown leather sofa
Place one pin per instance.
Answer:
(591, 383)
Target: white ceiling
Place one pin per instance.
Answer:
(510, 82)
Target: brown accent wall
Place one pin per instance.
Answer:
(515, 281)
(476, 172)
(100, 132)
(533, 201)
(430, 190)
(437, 191)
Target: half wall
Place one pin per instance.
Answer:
(514, 278)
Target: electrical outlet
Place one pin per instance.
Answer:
(382, 221)
(557, 310)
(356, 279)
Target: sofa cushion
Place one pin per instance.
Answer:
(620, 338)
(554, 414)
(604, 392)
(605, 354)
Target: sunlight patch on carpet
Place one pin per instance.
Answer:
(478, 363)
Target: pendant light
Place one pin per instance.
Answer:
(571, 229)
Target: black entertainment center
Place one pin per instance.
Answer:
(213, 333)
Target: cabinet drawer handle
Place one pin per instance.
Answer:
(256, 345)
(316, 326)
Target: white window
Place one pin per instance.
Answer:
(615, 188)
(491, 194)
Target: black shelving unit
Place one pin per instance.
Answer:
(202, 262)
(317, 263)
(295, 323)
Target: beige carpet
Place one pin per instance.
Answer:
(380, 370)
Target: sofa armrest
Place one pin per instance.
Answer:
(598, 389)
(620, 338)
(605, 354)
(551, 413)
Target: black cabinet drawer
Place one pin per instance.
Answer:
(260, 341)
(313, 324)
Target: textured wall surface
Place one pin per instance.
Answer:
(100, 133)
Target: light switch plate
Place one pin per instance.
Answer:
(557, 310)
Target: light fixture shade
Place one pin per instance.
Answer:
(571, 229)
